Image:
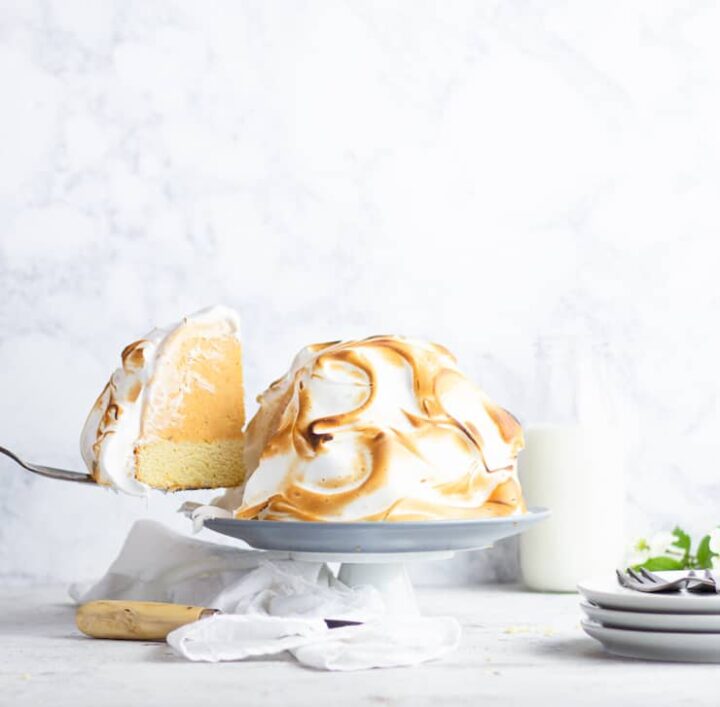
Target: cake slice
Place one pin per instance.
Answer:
(172, 416)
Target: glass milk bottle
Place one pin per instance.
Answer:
(572, 464)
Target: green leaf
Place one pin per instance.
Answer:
(682, 540)
(704, 554)
(658, 564)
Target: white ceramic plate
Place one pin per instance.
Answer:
(647, 621)
(657, 645)
(607, 593)
(378, 537)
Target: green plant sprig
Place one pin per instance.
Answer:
(678, 555)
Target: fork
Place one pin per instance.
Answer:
(645, 581)
(704, 584)
(707, 583)
(49, 471)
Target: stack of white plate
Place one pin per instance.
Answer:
(678, 626)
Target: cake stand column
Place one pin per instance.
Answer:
(390, 579)
(386, 572)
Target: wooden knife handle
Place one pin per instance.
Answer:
(136, 620)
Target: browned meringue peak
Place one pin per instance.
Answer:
(386, 428)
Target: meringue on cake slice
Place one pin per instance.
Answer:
(172, 416)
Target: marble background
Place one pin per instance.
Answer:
(491, 175)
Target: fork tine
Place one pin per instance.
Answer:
(651, 577)
(634, 575)
(626, 580)
(713, 581)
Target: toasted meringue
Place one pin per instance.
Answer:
(172, 416)
(386, 428)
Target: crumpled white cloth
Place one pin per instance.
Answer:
(271, 604)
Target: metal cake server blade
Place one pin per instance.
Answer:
(49, 471)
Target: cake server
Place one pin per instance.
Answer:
(49, 471)
(147, 620)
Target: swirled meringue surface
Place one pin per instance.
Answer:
(381, 429)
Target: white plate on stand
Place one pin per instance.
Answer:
(375, 553)
(657, 645)
(376, 537)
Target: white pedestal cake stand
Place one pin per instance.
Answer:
(375, 553)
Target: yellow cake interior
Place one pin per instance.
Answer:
(193, 415)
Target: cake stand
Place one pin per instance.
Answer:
(373, 553)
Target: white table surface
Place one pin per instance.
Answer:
(517, 648)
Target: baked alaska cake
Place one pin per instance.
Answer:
(172, 416)
(383, 429)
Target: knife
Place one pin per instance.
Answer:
(147, 620)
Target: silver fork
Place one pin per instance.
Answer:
(49, 471)
(707, 583)
(645, 581)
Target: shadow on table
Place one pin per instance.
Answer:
(578, 648)
(160, 652)
(164, 654)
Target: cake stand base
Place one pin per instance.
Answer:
(386, 572)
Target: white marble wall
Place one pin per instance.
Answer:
(480, 173)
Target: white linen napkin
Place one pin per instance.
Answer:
(271, 604)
